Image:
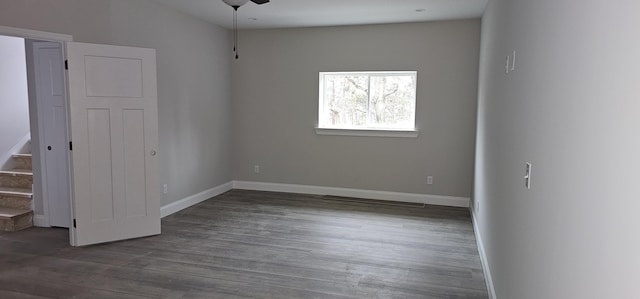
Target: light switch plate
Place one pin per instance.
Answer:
(513, 61)
(527, 176)
(507, 65)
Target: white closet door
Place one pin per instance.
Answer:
(114, 130)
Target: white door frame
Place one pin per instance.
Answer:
(43, 220)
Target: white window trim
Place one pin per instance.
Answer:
(366, 132)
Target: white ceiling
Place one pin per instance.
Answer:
(311, 13)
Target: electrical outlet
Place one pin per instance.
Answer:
(164, 189)
(429, 180)
(256, 168)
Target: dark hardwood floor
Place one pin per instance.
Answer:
(248, 244)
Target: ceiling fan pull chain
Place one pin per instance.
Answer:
(235, 17)
(235, 4)
(236, 29)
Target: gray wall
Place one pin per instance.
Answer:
(275, 107)
(14, 101)
(194, 77)
(572, 108)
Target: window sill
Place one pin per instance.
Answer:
(368, 132)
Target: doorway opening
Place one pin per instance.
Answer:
(39, 118)
(106, 102)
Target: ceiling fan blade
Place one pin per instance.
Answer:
(260, 1)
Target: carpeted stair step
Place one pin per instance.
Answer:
(18, 192)
(16, 178)
(22, 161)
(16, 198)
(15, 219)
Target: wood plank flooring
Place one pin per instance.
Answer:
(249, 244)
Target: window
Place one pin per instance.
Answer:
(367, 101)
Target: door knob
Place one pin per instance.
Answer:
(49, 147)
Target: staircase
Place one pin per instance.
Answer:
(16, 192)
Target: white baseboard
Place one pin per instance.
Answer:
(483, 258)
(357, 193)
(316, 190)
(194, 199)
(40, 221)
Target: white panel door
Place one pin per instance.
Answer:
(114, 130)
(48, 63)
